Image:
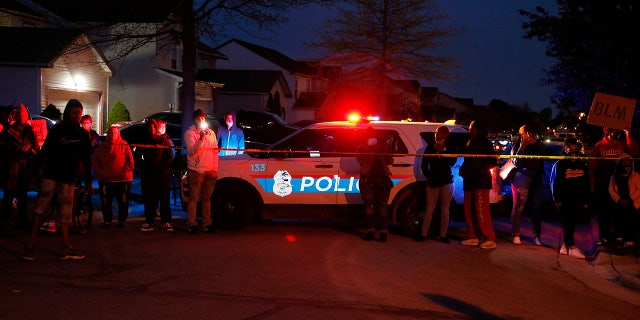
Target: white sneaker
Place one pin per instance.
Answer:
(516, 240)
(536, 241)
(576, 253)
(563, 250)
(146, 227)
(470, 242)
(168, 227)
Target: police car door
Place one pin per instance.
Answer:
(347, 140)
(302, 170)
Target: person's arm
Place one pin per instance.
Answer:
(128, 156)
(86, 159)
(241, 142)
(192, 142)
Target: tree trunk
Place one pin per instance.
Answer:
(189, 40)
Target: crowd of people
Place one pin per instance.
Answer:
(71, 158)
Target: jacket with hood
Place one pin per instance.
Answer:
(631, 191)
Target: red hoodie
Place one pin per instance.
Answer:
(113, 161)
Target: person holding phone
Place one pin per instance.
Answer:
(202, 171)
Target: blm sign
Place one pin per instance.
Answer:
(611, 111)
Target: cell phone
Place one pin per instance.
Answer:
(204, 125)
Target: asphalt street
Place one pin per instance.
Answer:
(116, 260)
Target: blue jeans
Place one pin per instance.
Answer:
(520, 193)
(442, 195)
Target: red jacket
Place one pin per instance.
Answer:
(113, 161)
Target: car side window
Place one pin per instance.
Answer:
(346, 140)
(455, 140)
(307, 143)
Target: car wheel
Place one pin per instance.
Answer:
(408, 213)
(234, 206)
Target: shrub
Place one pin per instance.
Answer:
(118, 113)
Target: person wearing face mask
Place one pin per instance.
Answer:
(375, 185)
(230, 137)
(528, 177)
(570, 190)
(154, 180)
(437, 171)
(624, 189)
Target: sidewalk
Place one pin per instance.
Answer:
(619, 275)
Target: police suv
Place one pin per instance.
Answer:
(315, 170)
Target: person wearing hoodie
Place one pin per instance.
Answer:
(66, 146)
(601, 168)
(570, 189)
(113, 163)
(19, 142)
(230, 137)
(624, 189)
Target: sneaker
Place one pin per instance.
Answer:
(420, 238)
(192, 229)
(536, 241)
(208, 229)
(370, 236)
(146, 227)
(470, 242)
(51, 226)
(516, 240)
(28, 254)
(168, 227)
(576, 253)
(563, 250)
(602, 242)
(488, 245)
(444, 239)
(120, 224)
(71, 253)
(105, 225)
(382, 237)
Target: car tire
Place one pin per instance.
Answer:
(234, 206)
(408, 211)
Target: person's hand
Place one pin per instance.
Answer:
(201, 134)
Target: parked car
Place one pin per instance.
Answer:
(175, 118)
(262, 128)
(137, 134)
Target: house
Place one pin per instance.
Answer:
(50, 66)
(300, 77)
(245, 89)
(438, 106)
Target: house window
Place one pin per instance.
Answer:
(205, 63)
(174, 58)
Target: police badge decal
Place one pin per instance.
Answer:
(282, 183)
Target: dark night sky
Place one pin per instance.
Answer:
(495, 61)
